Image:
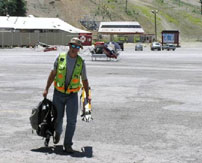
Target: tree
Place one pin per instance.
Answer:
(21, 9)
(12, 7)
(3, 8)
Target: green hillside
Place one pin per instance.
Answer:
(182, 15)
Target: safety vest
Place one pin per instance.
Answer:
(59, 82)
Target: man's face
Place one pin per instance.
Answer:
(74, 48)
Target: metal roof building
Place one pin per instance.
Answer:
(31, 22)
(23, 31)
(127, 29)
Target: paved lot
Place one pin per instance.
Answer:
(147, 108)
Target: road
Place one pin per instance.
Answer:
(147, 108)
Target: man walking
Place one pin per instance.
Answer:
(68, 69)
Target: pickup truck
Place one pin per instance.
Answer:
(169, 47)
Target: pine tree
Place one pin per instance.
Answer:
(12, 7)
(3, 8)
(20, 8)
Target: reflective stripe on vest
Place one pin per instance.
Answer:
(59, 82)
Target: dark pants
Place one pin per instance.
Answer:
(68, 103)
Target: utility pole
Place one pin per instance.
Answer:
(6, 8)
(155, 12)
(7, 4)
(201, 6)
(126, 6)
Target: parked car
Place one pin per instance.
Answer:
(138, 47)
(169, 47)
(155, 46)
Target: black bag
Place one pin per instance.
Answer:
(43, 118)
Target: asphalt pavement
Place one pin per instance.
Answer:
(147, 108)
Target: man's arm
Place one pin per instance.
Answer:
(49, 82)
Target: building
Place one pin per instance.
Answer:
(121, 28)
(28, 31)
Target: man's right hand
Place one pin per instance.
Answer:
(45, 93)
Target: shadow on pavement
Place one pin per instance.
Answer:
(85, 151)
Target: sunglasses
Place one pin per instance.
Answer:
(75, 46)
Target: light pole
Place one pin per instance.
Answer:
(201, 6)
(155, 12)
(126, 6)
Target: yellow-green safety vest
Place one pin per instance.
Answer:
(59, 82)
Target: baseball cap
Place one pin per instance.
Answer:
(76, 41)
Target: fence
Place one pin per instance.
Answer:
(19, 39)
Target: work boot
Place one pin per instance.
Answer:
(56, 137)
(68, 149)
